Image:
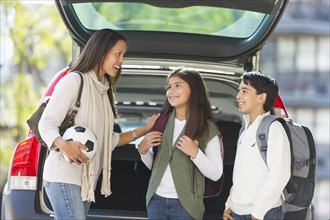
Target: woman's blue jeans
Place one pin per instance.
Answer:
(161, 208)
(66, 201)
(273, 214)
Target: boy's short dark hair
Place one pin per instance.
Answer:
(262, 84)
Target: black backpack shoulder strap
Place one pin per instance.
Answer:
(80, 89)
(312, 152)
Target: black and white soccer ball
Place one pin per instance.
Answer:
(85, 136)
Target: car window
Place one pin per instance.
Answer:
(205, 20)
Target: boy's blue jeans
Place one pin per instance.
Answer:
(273, 214)
(66, 201)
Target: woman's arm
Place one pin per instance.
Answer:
(129, 136)
(63, 98)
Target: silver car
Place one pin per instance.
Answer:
(220, 39)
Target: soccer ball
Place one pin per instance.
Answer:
(85, 136)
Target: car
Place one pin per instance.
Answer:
(220, 39)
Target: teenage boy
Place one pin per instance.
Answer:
(257, 187)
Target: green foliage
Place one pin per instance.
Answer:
(5, 158)
(22, 101)
(38, 36)
(6, 154)
(148, 17)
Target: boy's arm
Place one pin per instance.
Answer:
(278, 162)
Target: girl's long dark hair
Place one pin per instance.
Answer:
(93, 55)
(199, 108)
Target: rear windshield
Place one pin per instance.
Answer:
(205, 20)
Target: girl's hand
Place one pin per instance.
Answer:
(188, 146)
(151, 139)
(73, 150)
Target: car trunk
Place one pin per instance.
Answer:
(136, 101)
(221, 55)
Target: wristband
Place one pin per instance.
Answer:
(134, 135)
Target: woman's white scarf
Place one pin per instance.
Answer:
(88, 177)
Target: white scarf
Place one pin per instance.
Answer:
(88, 178)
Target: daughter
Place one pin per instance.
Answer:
(188, 150)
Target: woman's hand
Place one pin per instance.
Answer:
(151, 139)
(188, 146)
(73, 150)
(226, 215)
(151, 122)
(126, 137)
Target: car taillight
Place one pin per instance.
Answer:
(24, 167)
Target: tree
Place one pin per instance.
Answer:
(38, 35)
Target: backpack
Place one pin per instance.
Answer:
(212, 188)
(299, 191)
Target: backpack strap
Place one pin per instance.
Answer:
(262, 135)
(80, 90)
(77, 104)
(160, 126)
(312, 152)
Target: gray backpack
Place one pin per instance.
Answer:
(299, 191)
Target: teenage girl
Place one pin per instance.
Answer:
(188, 150)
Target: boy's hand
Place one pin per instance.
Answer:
(226, 215)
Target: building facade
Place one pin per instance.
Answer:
(297, 55)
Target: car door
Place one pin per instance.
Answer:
(232, 33)
(221, 39)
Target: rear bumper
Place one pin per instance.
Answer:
(21, 204)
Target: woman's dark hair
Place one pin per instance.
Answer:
(93, 55)
(262, 84)
(199, 108)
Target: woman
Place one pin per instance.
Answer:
(189, 149)
(70, 186)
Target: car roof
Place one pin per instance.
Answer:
(208, 31)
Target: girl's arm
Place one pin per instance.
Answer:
(210, 164)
